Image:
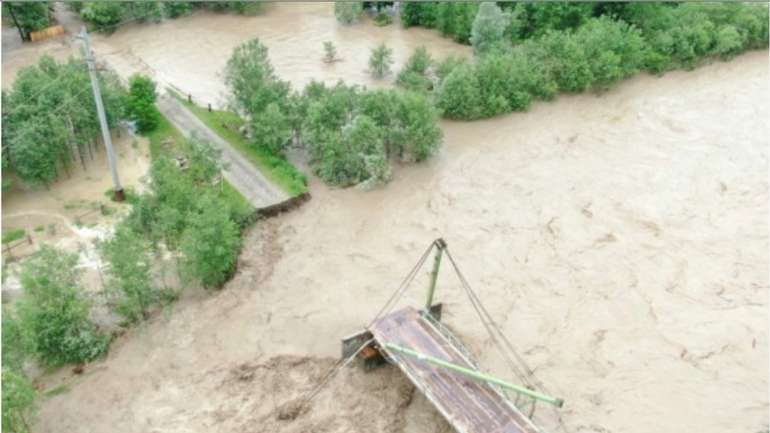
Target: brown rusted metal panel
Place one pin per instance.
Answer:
(470, 406)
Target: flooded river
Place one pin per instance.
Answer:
(620, 240)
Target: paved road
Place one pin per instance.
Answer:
(246, 178)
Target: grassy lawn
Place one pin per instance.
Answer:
(275, 167)
(167, 132)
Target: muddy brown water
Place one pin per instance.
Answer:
(619, 239)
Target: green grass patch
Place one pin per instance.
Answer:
(275, 166)
(13, 235)
(166, 137)
(39, 228)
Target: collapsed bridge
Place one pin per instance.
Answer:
(440, 366)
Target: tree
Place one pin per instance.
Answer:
(130, 273)
(29, 16)
(330, 53)
(348, 12)
(140, 102)
(210, 243)
(488, 28)
(414, 76)
(420, 135)
(459, 96)
(55, 311)
(255, 87)
(380, 61)
(102, 15)
(271, 129)
(174, 9)
(18, 401)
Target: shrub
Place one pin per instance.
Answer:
(613, 49)
(380, 61)
(271, 129)
(348, 12)
(13, 235)
(130, 273)
(30, 16)
(383, 19)
(414, 76)
(210, 243)
(175, 9)
(101, 15)
(55, 311)
(330, 52)
(18, 401)
(459, 96)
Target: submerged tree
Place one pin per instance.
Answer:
(330, 53)
(348, 12)
(56, 312)
(380, 61)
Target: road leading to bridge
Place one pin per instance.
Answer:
(241, 173)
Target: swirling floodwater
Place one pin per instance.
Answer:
(620, 240)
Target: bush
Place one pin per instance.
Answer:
(30, 16)
(330, 52)
(414, 76)
(130, 273)
(210, 243)
(271, 129)
(380, 61)
(348, 12)
(175, 9)
(383, 19)
(140, 103)
(18, 401)
(459, 96)
(101, 15)
(55, 311)
(13, 235)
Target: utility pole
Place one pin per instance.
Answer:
(91, 61)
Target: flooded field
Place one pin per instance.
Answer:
(619, 239)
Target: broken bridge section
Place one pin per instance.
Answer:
(470, 406)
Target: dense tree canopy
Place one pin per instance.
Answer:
(56, 312)
(29, 16)
(140, 103)
(49, 117)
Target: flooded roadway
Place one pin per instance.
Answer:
(621, 241)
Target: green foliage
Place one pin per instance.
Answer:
(350, 133)
(418, 14)
(130, 273)
(488, 28)
(140, 103)
(455, 19)
(176, 9)
(260, 94)
(383, 19)
(210, 243)
(330, 53)
(415, 75)
(348, 12)
(103, 15)
(55, 311)
(48, 118)
(15, 342)
(18, 401)
(380, 61)
(30, 16)
(238, 7)
(459, 96)
(13, 235)
(271, 129)
(681, 36)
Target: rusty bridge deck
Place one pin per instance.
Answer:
(470, 406)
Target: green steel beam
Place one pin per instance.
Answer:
(440, 245)
(476, 374)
